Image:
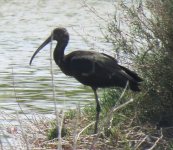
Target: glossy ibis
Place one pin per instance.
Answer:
(97, 70)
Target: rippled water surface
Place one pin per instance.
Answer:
(24, 26)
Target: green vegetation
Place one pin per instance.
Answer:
(148, 43)
(53, 131)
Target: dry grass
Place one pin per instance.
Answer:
(127, 136)
(19, 132)
(32, 134)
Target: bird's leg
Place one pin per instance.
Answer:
(98, 109)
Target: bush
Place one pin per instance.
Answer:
(143, 35)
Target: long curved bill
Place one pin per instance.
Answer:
(48, 40)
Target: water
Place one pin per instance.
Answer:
(24, 26)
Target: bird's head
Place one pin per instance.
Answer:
(59, 34)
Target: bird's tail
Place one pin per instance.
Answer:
(134, 86)
(132, 74)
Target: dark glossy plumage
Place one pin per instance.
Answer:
(94, 69)
(98, 70)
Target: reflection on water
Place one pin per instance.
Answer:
(24, 26)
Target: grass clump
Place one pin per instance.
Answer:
(53, 131)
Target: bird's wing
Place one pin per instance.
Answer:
(94, 63)
(101, 66)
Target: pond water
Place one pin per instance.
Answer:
(24, 26)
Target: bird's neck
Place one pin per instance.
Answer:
(59, 52)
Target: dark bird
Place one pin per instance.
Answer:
(97, 70)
